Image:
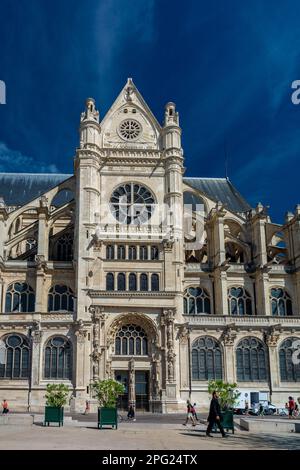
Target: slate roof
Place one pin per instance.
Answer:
(220, 189)
(18, 189)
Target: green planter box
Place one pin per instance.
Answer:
(54, 415)
(107, 417)
(226, 421)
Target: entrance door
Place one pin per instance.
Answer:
(142, 390)
(122, 377)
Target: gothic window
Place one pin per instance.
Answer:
(110, 281)
(143, 253)
(132, 282)
(289, 372)
(15, 357)
(196, 301)
(281, 303)
(251, 360)
(58, 359)
(121, 281)
(132, 252)
(144, 282)
(206, 359)
(239, 301)
(110, 252)
(154, 282)
(19, 298)
(121, 252)
(63, 250)
(132, 203)
(154, 252)
(130, 129)
(131, 340)
(60, 297)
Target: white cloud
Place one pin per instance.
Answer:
(14, 161)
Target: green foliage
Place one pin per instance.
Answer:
(228, 395)
(57, 395)
(107, 392)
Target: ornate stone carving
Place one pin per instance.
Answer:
(131, 386)
(183, 333)
(271, 336)
(229, 335)
(80, 332)
(40, 261)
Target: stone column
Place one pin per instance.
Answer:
(131, 383)
(228, 338)
(81, 375)
(169, 348)
(271, 339)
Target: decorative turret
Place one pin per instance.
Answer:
(89, 124)
(171, 129)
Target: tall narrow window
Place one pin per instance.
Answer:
(143, 282)
(154, 282)
(19, 298)
(251, 360)
(121, 281)
(121, 252)
(60, 298)
(206, 359)
(132, 252)
(58, 359)
(110, 281)
(132, 282)
(15, 357)
(63, 248)
(110, 252)
(143, 253)
(154, 252)
(131, 340)
(281, 303)
(239, 301)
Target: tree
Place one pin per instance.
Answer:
(228, 394)
(57, 395)
(107, 392)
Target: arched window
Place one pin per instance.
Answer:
(14, 351)
(110, 281)
(144, 282)
(60, 298)
(251, 360)
(281, 303)
(154, 282)
(143, 252)
(196, 301)
(132, 282)
(132, 252)
(239, 301)
(121, 252)
(206, 359)
(131, 340)
(289, 371)
(154, 252)
(110, 252)
(121, 281)
(63, 250)
(58, 359)
(19, 298)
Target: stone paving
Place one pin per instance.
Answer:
(134, 435)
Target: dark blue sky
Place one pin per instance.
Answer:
(227, 64)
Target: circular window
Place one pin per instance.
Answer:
(14, 341)
(130, 129)
(132, 204)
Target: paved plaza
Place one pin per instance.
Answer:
(84, 435)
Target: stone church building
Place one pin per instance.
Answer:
(128, 269)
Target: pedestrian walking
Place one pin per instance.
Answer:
(246, 408)
(296, 410)
(291, 407)
(5, 409)
(261, 410)
(214, 416)
(194, 412)
(131, 413)
(189, 414)
(87, 407)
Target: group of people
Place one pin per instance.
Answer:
(214, 415)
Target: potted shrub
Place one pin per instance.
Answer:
(107, 392)
(228, 396)
(56, 398)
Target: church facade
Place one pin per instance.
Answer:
(130, 270)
